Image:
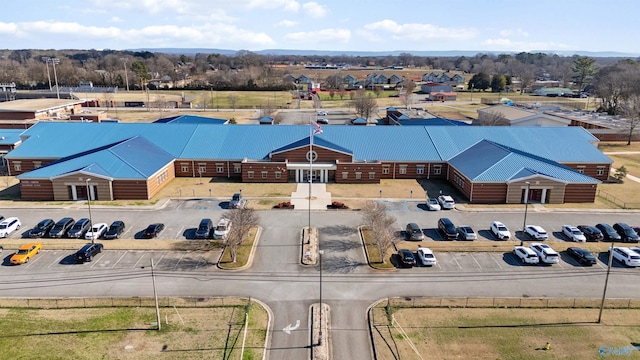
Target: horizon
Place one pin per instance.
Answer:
(291, 25)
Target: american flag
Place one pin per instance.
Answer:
(317, 129)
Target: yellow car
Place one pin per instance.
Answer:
(25, 253)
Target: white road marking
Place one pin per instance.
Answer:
(116, 263)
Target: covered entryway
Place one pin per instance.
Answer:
(535, 195)
(82, 192)
(299, 172)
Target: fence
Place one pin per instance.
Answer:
(623, 204)
(466, 302)
(71, 303)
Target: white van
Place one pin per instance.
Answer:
(222, 229)
(626, 256)
(545, 253)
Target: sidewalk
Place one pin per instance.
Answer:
(320, 198)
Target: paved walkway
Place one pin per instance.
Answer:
(320, 198)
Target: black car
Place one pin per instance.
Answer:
(626, 232)
(447, 228)
(592, 233)
(79, 228)
(87, 252)
(115, 230)
(42, 229)
(60, 229)
(152, 231)
(583, 256)
(204, 229)
(406, 258)
(609, 233)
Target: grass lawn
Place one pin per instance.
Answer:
(499, 333)
(243, 253)
(373, 252)
(127, 333)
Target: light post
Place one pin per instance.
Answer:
(46, 63)
(126, 77)
(89, 205)
(320, 252)
(526, 206)
(606, 282)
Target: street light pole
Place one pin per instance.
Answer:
(55, 75)
(606, 282)
(526, 206)
(89, 204)
(126, 77)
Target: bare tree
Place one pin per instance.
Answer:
(233, 100)
(493, 118)
(381, 225)
(365, 105)
(631, 110)
(242, 221)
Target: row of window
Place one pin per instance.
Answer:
(264, 174)
(162, 177)
(402, 169)
(599, 171)
(202, 168)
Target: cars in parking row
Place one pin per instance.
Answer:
(424, 255)
(81, 229)
(27, 251)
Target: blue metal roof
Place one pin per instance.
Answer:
(10, 136)
(490, 162)
(265, 120)
(436, 121)
(385, 143)
(135, 158)
(317, 141)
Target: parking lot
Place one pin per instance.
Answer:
(62, 260)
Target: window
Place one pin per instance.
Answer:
(358, 175)
(237, 168)
(162, 177)
(403, 169)
(249, 174)
(219, 168)
(184, 167)
(419, 169)
(17, 166)
(581, 169)
(372, 175)
(202, 168)
(37, 164)
(385, 169)
(437, 170)
(600, 171)
(278, 174)
(265, 174)
(345, 175)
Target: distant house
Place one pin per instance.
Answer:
(431, 77)
(458, 79)
(442, 96)
(266, 120)
(554, 91)
(503, 115)
(395, 79)
(359, 121)
(429, 88)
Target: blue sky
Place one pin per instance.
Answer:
(337, 25)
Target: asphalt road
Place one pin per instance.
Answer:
(277, 278)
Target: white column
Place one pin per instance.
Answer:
(91, 194)
(74, 193)
(526, 195)
(297, 175)
(322, 175)
(544, 196)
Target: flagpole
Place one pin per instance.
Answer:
(310, 170)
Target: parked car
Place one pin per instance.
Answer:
(79, 228)
(322, 121)
(526, 255)
(465, 232)
(61, 228)
(87, 252)
(609, 233)
(41, 229)
(204, 229)
(573, 233)
(9, 225)
(446, 202)
(626, 256)
(406, 258)
(500, 230)
(414, 232)
(433, 204)
(448, 230)
(591, 233)
(222, 229)
(545, 253)
(152, 230)
(24, 253)
(625, 231)
(536, 232)
(321, 113)
(96, 231)
(583, 256)
(236, 202)
(115, 230)
(426, 256)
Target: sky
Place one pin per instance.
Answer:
(335, 25)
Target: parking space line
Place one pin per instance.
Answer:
(140, 259)
(94, 262)
(474, 259)
(496, 261)
(57, 260)
(179, 233)
(178, 262)
(454, 259)
(122, 256)
(156, 263)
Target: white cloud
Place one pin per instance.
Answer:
(420, 32)
(285, 23)
(320, 36)
(314, 9)
(116, 19)
(8, 28)
(512, 32)
(507, 44)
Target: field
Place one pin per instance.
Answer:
(502, 333)
(129, 333)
